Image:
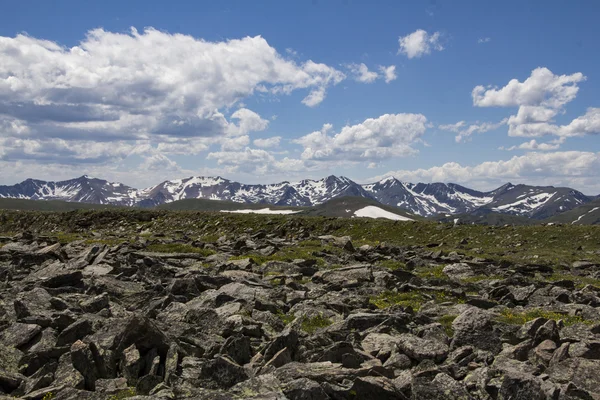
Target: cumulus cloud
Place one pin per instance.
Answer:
(535, 145)
(159, 162)
(362, 74)
(389, 73)
(484, 40)
(419, 43)
(314, 98)
(55, 150)
(567, 168)
(540, 98)
(464, 132)
(255, 161)
(373, 139)
(236, 143)
(542, 88)
(267, 142)
(167, 90)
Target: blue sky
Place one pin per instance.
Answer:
(202, 87)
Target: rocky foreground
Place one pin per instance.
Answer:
(158, 317)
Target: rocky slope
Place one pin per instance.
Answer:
(288, 313)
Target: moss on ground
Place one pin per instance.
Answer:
(392, 264)
(285, 317)
(446, 321)
(306, 250)
(413, 299)
(312, 324)
(479, 278)
(123, 394)
(67, 237)
(435, 272)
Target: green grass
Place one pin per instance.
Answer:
(446, 321)
(210, 238)
(123, 394)
(310, 243)
(311, 325)
(436, 272)
(178, 248)
(552, 245)
(67, 237)
(479, 278)
(412, 299)
(277, 281)
(512, 317)
(405, 299)
(286, 318)
(303, 250)
(392, 264)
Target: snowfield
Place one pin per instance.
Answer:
(376, 212)
(261, 211)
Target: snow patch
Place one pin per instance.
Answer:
(583, 215)
(261, 211)
(376, 212)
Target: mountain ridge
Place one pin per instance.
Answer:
(424, 199)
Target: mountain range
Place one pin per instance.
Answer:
(424, 199)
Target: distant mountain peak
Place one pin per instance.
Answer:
(425, 199)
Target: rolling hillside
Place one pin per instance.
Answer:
(49, 205)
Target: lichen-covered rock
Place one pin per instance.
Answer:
(474, 328)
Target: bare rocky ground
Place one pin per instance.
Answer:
(289, 313)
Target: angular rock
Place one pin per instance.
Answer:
(422, 349)
(474, 328)
(83, 361)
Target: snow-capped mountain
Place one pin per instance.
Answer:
(307, 192)
(428, 199)
(537, 202)
(83, 190)
(425, 199)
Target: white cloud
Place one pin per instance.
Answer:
(268, 142)
(419, 43)
(389, 73)
(542, 88)
(255, 161)
(484, 40)
(589, 123)
(536, 146)
(236, 143)
(362, 74)
(540, 98)
(465, 132)
(568, 168)
(373, 139)
(159, 162)
(111, 87)
(248, 121)
(314, 98)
